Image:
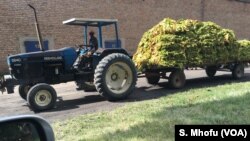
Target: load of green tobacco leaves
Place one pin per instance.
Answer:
(181, 43)
(244, 50)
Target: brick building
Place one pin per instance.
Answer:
(135, 17)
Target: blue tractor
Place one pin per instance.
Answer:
(110, 71)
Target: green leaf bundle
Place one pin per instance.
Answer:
(181, 43)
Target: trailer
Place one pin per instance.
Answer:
(177, 78)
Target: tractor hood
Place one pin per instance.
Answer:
(68, 55)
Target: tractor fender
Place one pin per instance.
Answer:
(102, 52)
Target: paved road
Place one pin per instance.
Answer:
(71, 102)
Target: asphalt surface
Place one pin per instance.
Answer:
(71, 103)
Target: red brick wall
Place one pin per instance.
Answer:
(135, 17)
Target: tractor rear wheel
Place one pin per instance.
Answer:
(153, 77)
(23, 90)
(42, 97)
(115, 76)
(238, 71)
(177, 79)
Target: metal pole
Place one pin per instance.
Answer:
(100, 36)
(38, 32)
(202, 10)
(85, 35)
(117, 36)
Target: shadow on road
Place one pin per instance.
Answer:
(74, 103)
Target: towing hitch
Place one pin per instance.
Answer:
(2, 88)
(7, 83)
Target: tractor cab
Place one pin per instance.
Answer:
(102, 50)
(96, 23)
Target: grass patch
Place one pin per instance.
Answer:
(155, 119)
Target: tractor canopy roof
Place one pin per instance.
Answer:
(90, 22)
(98, 23)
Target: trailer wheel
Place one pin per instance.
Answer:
(238, 71)
(177, 79)
(152, 77)
(86, 86)
(115, 76)
(211, 71)
(42, 97)
(23, 91)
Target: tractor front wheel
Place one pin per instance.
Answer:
(115, 76)
(42, 97)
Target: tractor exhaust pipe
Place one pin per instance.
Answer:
(38, 32)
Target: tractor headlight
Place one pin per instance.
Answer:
(15, 60)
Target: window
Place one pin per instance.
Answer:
(30, 44)
(111, 43)
(246, 1)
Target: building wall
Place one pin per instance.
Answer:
(135, 17)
